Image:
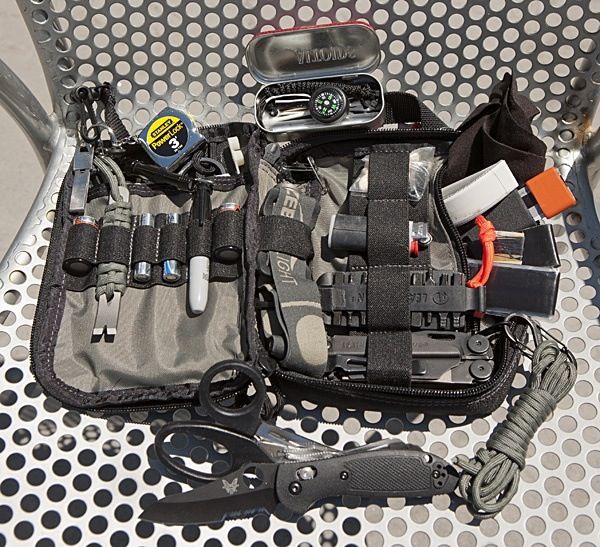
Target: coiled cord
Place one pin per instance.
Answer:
(491, 479)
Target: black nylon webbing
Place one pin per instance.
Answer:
(388, 311)
(113, 245)
(285, 235)
(405, 108)
(199, 239)
(357, 205)
(172, 243)
(144, 244)
(81, 243)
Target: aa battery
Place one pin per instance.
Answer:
(142, 271)
(172, 268)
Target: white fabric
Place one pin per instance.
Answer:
(479, 192)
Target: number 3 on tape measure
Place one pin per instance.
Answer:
(175, 145)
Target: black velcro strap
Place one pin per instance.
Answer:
(172, 243)
(225, 272)
(387, 298)
(113, 245)
(387, 232)
(81, 243)
(228, 230)
(388, 311)
(401, 108)
(199, 239)
(145, 239)
(285, 235)
(385, 348)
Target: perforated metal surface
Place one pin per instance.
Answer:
(75, 479)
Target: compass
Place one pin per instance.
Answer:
(328, 104)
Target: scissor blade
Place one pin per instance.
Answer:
(230, 497)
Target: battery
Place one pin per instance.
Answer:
(172, 267)
(142, 271)
(170, 137)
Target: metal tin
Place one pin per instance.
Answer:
(307, 53)
(292, 128)
(339, 53)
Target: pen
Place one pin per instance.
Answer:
(199, 265)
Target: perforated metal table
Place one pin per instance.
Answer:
(76, 479)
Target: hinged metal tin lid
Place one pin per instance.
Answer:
(313, 52)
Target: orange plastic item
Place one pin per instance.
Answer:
(551, 193)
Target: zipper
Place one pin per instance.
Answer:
(43, 284)
(451, 229)
(299, 146)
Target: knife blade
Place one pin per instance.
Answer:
(240, 494)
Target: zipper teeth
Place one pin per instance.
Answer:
(447, 221)
(374, 134)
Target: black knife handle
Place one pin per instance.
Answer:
(378, 473)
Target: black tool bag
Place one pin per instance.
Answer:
(291, 302)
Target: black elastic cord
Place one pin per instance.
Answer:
(364, 93)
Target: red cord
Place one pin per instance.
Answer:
(487, 236)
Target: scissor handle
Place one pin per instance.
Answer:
(245, 419)
(242, 449)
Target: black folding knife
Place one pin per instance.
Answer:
(388, 468)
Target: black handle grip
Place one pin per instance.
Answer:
(377, 473)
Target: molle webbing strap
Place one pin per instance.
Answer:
(388, 311)
(285, 235)
(297, 294)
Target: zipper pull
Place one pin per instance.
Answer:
(272, 153)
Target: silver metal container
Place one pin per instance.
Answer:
(339, 53)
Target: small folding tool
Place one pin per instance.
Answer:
(449, 357)
(271, 466)
(107, 311)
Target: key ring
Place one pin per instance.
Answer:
(245, 419)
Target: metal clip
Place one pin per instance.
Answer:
(107, 317)
(83, 162)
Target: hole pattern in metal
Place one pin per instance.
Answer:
(74, 479)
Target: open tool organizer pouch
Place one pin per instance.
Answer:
(160, 350)
(292, 305)
(364, 328)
